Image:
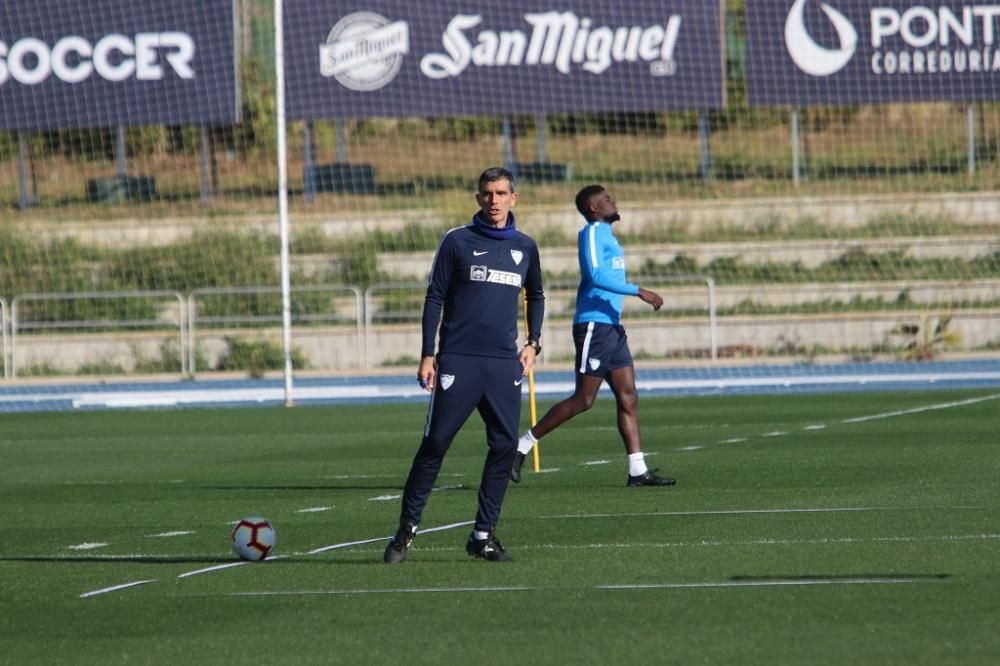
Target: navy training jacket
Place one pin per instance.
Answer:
(476, 279)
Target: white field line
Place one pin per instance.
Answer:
(777, 582)
(348, 544)
(926, 408)
(227, 565)
(763, 542)
(386, 498)
(710, 543)
(861, 419)
(768, 542)
(87, 546)
(738, 512)
(166, 535)
(365, 541)
(315, 509)
(595, 462)
(915, 410)
(123, 586)
(343, 477)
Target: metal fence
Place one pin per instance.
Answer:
(24, 318)
(205, 317)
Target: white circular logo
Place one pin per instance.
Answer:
(364, 51)
(810, 57)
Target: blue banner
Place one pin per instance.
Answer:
(391, 58)
(806, 52)
(104, 63)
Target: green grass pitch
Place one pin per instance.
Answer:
(814, 529)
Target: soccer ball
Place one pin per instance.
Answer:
(253, 538)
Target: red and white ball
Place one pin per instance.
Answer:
(253, 538)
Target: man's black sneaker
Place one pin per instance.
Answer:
(650, 478)
(487, 549)
(395, 552)
(515, 469)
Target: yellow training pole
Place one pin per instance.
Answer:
(531, 391)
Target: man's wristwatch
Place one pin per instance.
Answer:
(534, 345)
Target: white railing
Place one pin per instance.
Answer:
(658, 281)
(369, 310)
(407, 316)
(194, 318)
(713, 328)
(16, 325)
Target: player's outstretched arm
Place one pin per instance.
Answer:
(651, 297)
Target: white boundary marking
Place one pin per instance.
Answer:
(705, 543)
(737, 512)
(373, 540)
(123, 586)
(87, 546)
(227, 565)
(776, 582)
(231, 565)
(926, 408)
(856, 419)
(861, 419)
(386, 498)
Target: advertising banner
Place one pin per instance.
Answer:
(805, 52)
(391, 58)
(105, 63)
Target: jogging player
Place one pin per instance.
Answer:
(476, 279)
(602, 352)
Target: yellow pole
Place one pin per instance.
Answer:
(533, 413)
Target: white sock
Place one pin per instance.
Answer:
(479, 536)
(526, 443)
(636, 464)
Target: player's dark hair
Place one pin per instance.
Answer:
(583, 198)
(494, 174)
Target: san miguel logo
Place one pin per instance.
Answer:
(915, 40)
(364, 51)
(559, 39)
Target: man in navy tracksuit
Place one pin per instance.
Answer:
(477, 277)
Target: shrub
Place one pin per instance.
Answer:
(258, 356)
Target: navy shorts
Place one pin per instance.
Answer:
(600, 348)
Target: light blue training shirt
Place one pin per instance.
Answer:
(603, 285)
